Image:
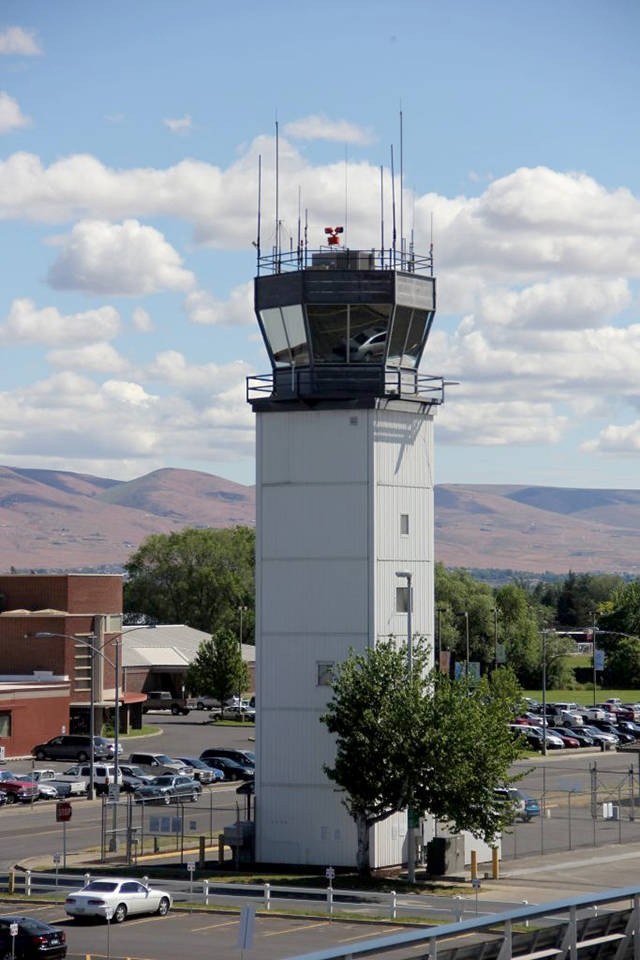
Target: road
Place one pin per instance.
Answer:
(31, 830)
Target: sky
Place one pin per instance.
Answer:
(129, 144)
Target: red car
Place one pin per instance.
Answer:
(567, 739)
(17, 790)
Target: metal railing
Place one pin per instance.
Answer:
(341, 258)
(368, 379)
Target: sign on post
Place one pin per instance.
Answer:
(13, 929)
(330, 874)
(598, 660)
(56, 859)
(114, 791)
(63, 811)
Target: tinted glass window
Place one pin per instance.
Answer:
(368, 325)
(415, 337)
(103, 885)
(131, 887)
(276, 336)
(401, 321)
(328, 325)
(296, 334)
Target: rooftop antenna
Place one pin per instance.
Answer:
(306, 234)
(382, 214)
(431, 244)
(299, 249)
(259, 208)
(346, 194)
(401, 191)
(277, 196)
(393, 206)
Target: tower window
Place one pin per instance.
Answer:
(404, 524)
(324, 675)
(402, 600)
(5, 723)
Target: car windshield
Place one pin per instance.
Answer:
(163, 758)
(134, 771)
(102, 885)
(193, 762)
(163, 781)
(100, 740)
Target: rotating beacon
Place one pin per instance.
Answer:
(344, 494)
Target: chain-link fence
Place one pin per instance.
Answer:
(578, 808)
(133, 829)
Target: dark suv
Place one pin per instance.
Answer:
(73, 747)
(245, 757)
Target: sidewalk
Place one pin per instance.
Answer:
(567, 873)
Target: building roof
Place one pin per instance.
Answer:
(168, 645)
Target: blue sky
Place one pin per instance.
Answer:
(129, 136)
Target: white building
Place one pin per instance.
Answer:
(344, 502)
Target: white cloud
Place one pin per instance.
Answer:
(11, 116)
(128, 259)
(203, 308)
(499, 424)
(563, 303)
(27, 324)
(619, 440)
(178, 125)
(171, 367)
(141, 320)
(319, 127)
(99, 357)
(17, 40)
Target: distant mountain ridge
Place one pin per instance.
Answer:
(59, 520)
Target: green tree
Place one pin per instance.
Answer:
(457, 593)
(518, 630)
(622, 664)
(421, 741)
(197, 577)
(623, 610)
(218, 670)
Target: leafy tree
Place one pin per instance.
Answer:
(197, 577)
(623, 610)
(518, 630)
(218, 670)
(421, 741)
(622, 664)
(458, 593)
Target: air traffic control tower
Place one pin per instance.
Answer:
(344, 477)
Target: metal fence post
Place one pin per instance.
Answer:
(632, 812)
(393, 904)
(267, 896)
(573, 934)
(205, 892)
(330, 899)
(619, 814)
(525, 903)
(569, 809)
(27, 883)
(458, 909)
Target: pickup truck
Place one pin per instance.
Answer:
(163, 700)
(65, 785)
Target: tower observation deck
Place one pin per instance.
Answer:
(344, 325)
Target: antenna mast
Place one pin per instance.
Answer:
(259, 207)
(401, 194)
(382, 215)
(277, 198)
(393, 206)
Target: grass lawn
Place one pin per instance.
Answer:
(585, 697)
(144, 731)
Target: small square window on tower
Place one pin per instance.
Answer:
(324, 673)
(402, 600)
(404, 524)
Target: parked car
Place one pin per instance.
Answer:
(578, 733)
(168, 788)
(231, 769)
(199, 770)
(245, 757)
(45, 791)
(157, 764)
(164, 700)
(592, 713)
(72, 747)
(3, 798)
(566, 735)
(629, 726)
(610, 726)
(120, 897)
(65, 786)
(600, 738)
(204, 703)
(34, 939)
(23, 791)
(133, 777)
(524, 807)
(103, 775)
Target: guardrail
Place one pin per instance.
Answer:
(266, 896)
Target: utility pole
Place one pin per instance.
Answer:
(593, 647)
(544, 693)
(495, 634)
(466, 620)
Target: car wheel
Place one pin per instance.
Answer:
(194, 797)
(41, 755)
(163, 907)
(82, 757)
(10, 798)
(166, 800)
(120, 913)
(199, 705)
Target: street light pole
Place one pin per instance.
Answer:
(544, 693)
(92, 719)
(495, 634)
(411, 846)
(466, 620)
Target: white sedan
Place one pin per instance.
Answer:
(115, 899)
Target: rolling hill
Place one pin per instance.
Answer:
(58, 520)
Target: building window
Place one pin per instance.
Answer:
(404, 524)
(402, 600)
(5, 723)
(324, 673)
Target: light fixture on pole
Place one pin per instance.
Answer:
(411, 850)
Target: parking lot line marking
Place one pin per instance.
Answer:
(363, 936)
(210, 926)
(307, 926)
(132, 923)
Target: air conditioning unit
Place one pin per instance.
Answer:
(1, 754)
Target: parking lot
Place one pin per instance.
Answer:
(203, 935)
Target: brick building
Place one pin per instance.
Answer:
(76, 608)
